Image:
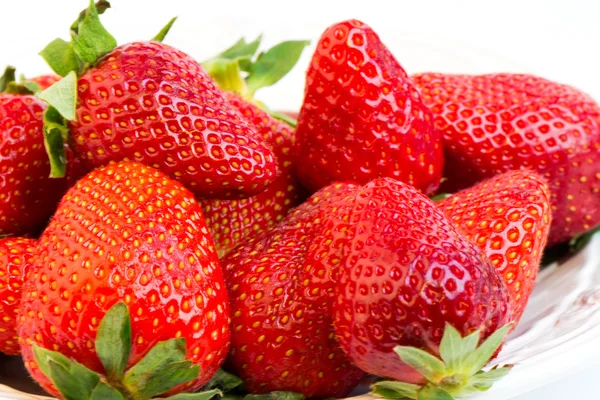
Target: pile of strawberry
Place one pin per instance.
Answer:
(159, 223)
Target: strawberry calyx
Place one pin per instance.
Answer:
(90, 41)
(9, 84)
(161, 369)
(456, 373)
(241, 70)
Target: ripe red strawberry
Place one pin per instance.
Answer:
(281, 291)
(362, 117)
(406, 273)
(233, 221)
(28, 196)
(500, 122)
(150, 103)
(16, 255)
(125, 233)
(508, 218)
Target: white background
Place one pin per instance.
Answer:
(554, 39)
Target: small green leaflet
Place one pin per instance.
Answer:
(102, 391)
(92, 40)
(431, 392)
(480, 357)
(62, 100)
(276, 395)
(196, 396)
(454, 349)
(6, 78)
(55, 133)
(274, 64)
(161, 369)
(72, 379)
(62, 96)
(113, 341)
(223, 380)
(241, 49)
(395, 390)
(164, 31)
(432, 368)
(61, 57)
(101, 7)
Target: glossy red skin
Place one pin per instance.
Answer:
(233, 221)
(281, 290)
(150, 103)
(362, 117)
(500, 122)
(407, 272)
(128, 233)
(45, 81)
(28, 196)
(16, 255)
(508, 217)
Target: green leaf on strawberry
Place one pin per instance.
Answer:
(7, 77)
(113, 343)
(60, 56)
(240, 50)
(89, 37)
(274, 64)
(55, 133)
(160, 370)
(275, 395)
(455, 374)
(102, 391)
(195, 396)
(164, 31)
(62, 96)
(223, 380)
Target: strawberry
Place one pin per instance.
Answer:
(125, 234)
(362, 116)
(28, 196)
(499, 122)
(150, 103)
(508, 218)
(16, 255)
(281, 290)
(407, 274)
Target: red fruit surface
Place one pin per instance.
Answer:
(362, 117)
(508, 218)
(407, 272)
(126, 232)
(150, 103)
(45, 81)
(233, 221)
(281, 291)
(500, 122)
(28, 196)
(16, 255)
